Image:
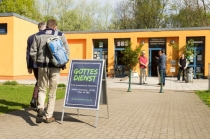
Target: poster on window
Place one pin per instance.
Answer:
(199, 57)
(100, 44)
(198, 69)
(122, 43)
(172, 69)
(191, 58)
(173, 62)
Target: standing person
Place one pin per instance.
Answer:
(143, 63)
(31, 65)
(47, 72)
(162, 66)
(182, 67)
(157, 61)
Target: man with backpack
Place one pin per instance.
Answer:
(47, 71)
(31, 65)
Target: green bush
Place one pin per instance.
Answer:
(10, 83)
(131, 56)
(61, 85)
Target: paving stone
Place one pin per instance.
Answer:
(143, 113)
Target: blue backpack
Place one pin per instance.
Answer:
(59, 55)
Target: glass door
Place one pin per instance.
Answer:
(101, 53)
(152, 66)
(197, 62)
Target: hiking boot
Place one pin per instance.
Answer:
(50, 120)
(33, 103)
(39, 119)
(40, 114)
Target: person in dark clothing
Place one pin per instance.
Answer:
(162, 65)
(183, 63)
(31, 65)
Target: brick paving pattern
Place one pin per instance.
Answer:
(143, 113)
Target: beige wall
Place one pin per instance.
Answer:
(22, 30)
(6, 48)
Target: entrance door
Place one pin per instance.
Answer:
(101, 53)
(152, 67)
(197, 62)
(119, 64)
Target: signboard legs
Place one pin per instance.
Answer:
(107, 110)
(96, 118)
(62, 116)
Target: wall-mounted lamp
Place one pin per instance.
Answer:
(142, 42)
(172, 42)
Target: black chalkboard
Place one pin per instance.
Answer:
(84, 84)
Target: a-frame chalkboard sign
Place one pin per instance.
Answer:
(86, 86)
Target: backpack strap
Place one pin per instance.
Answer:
(56, 33)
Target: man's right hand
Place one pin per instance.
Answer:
(29, 71)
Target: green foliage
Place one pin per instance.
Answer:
(131, 56)
(61, 85)
(10, 83)
(175, 46)
(188, 49)
(149, 13)
(27, 8)
(18, 97)
(139, 14)
(205, 96)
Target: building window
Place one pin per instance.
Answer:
(3, 28)
(198, 41)
(100, 43)
(121, 43)
(157, 43)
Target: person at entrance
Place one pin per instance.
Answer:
(162, 66)
(157, 60)
(143, 63)
(183, 63)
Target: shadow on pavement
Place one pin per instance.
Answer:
(183, 91)
(68, 118)
(16, 112)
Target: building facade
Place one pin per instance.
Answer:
(108, 45)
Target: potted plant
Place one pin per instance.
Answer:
(130, 59)
(131, 56)
(189, 49)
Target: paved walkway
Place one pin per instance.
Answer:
(143, 113)
(171, 83)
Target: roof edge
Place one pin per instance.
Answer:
(137, 30)
(18, 16)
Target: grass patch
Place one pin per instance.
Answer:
(205, 96)
(61, 85)
(10, 83)
(16, 97)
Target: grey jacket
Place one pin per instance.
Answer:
(162, 62)
(40, 52)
